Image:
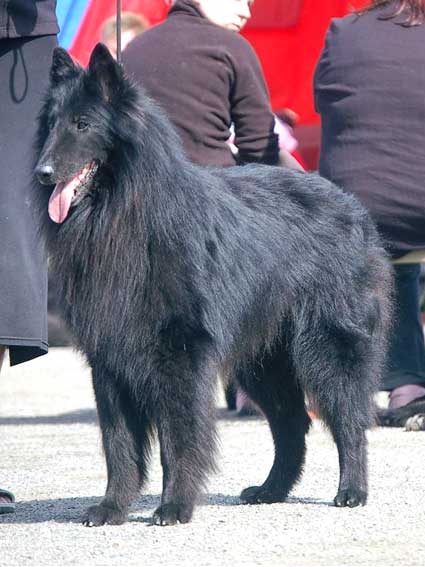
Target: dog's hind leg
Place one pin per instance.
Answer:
(344, 414)
(126, 443)
(340, 372)
(271, 384)
(186, 428)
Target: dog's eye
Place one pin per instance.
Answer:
(82, 125)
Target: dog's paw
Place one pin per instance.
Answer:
(101, 514)
(171, 514)
(261, 495)
(416, 423)
(350, 497)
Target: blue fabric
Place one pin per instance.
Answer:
(70, 14)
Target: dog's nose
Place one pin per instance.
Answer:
(44, 174)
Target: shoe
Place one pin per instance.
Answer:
(411, 416)
(7, 502)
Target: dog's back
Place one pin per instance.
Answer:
(304, 241)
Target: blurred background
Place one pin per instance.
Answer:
(287, 35)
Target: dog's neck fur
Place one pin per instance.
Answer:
(153, 211)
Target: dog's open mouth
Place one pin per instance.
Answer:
(66, 193)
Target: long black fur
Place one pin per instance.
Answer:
(170, 273)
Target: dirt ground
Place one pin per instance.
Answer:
(51, 459)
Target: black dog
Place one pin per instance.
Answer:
(170, 273)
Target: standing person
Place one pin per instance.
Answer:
(369, 88)
(27, 38)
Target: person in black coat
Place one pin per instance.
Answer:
(369, 90)
(27, 38)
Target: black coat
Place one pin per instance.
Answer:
(370, 93)
(24, 70)
(27, 18)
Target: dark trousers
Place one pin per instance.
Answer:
(406, 355)
(24, 77)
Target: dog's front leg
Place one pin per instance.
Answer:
(125, 434)
(186, 427)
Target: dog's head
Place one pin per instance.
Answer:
(76, 133)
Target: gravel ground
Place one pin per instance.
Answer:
(51, 458)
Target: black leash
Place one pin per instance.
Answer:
(119, 55)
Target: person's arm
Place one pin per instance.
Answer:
(287, 142)
(323, 77)
(288, 160)
(251, 111)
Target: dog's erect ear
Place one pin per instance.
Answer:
(106, 71)
(63, 66)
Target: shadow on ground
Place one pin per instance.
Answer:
(72, 510)
(78, 416)
(90, 416)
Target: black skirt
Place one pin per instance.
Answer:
(24, 71)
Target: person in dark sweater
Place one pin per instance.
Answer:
(206, 77)
(369, 89)
(28, 31)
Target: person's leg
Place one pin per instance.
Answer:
(7, 500)
(2, 355)
(405, 378)
(244, 406)
(24, 68)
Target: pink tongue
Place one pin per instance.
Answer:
(60, 200)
